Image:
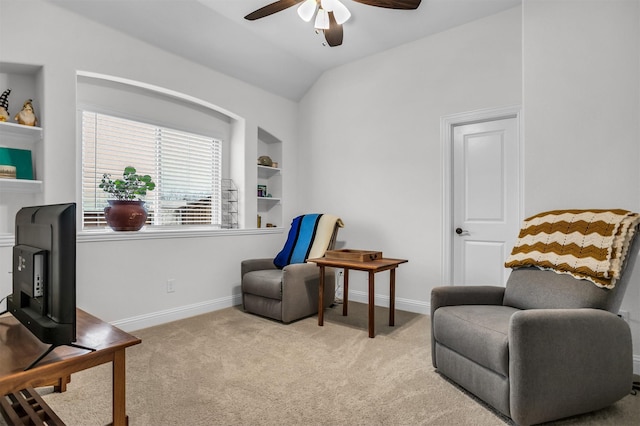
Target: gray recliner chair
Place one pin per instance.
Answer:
(547, 346)
(290, 293)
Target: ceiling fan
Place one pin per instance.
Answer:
(331, 14)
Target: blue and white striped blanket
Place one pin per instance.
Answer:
(309, 237)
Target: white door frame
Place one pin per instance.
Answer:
(447, 123)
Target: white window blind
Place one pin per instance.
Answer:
(185, 167)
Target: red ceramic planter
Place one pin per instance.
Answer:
(125, 215)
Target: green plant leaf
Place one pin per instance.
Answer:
(130, 186)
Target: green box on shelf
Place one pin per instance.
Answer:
(20, 158)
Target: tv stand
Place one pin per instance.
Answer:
(52, 347)
(18, 346)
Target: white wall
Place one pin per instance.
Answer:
(111, 283)
(370, 142)
(581, 107)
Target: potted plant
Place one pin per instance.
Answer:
(127, 211)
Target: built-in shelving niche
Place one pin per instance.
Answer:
(270, 202)
(25, 82)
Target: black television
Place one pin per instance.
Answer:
(44, 274)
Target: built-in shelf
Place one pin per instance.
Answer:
(7, 240)
(13, 130)
(21, 134)
(21, 185)
(266, 171)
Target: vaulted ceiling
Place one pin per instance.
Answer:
(280, 53)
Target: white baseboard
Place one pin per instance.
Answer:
(408, 305)
(174, 314)
(160, 317)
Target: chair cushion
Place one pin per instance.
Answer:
(477, 332)
(265, 283)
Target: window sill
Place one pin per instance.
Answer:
(8, 240)
(105, 234)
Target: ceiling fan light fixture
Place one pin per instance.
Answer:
(307, 10)
(327, 5)
(322, 20)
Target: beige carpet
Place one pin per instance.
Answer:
(233, 368)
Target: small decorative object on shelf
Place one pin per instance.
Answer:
(7, 172)
(20, 159)
(126, 213)
(4, 105)
(262, 190)
(274, 165)
(27, 115)
(265, 160)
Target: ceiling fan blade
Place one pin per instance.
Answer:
(392, 4)
(334, 34)
(272, 8)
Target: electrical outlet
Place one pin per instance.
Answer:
(171, 285)
(624, 315)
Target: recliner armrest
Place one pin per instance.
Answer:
(304, 273)
(564, 362)
(300, 283)
(250, 265)
(465, 295)
(300, 271)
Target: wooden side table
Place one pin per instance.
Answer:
(371, 267)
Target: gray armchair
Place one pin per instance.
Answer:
(286, 294)
(547, 346)
(290, 293)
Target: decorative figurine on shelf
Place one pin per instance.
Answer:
(265, 160)
(27, 116)
(4, 105)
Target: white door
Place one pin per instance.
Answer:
(485, 200)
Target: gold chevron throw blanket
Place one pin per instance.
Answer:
(587, 244)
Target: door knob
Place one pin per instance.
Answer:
(461, 231)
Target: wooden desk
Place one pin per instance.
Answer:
(371, 267)
(18, 348)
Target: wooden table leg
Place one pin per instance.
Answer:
(372, 305)
(119, 390)
(61, 384)
(392, 296)
(345, 295)
(321, 297)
